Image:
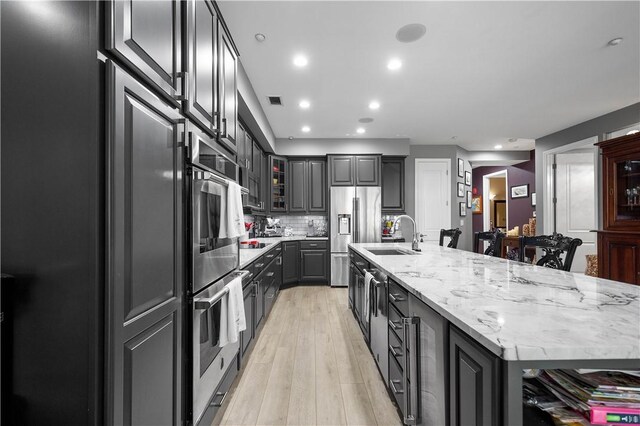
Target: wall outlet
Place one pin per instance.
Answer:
(461, 222)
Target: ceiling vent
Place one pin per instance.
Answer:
(275, 100)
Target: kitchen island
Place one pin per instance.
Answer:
(521, 316)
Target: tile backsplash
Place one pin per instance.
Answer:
(298, 224)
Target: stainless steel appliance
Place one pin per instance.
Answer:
(355, 218)
(378, 321)
(210, 360)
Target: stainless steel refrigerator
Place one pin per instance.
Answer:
(355, 218)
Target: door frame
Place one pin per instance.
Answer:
(548, 181)
(486, 202)
(416, 186)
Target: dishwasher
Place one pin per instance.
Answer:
(378, 324)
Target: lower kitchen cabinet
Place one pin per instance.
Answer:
(290, 251)
(248, 335)
(313, 266)
(474, 382)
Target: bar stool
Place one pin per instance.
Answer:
(553, 246)
(454, 234)
(495, 242)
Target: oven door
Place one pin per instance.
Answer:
(210, 361)
(213, 257)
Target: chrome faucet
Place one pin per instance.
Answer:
(414, 243)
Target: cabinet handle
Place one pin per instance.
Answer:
(313, 245)
(394, 388)
(396, 297)
(395, 325)
(394, 351)
(270, 255)
(224, 127)
(410, 326)
(259, 265)
(219, 404)
(270, 274)
(279, 249)
(359, 263)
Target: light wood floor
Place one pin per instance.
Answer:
(309, 366)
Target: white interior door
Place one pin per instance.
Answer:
(433, 193)
(575, 208)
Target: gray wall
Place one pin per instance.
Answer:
(310, 147)
(451, 152)
(251, 112)
(596, 127)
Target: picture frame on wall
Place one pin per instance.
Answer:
(476, 204)
(460, 189)
(520, 191)
(533, 199)
(463, 209)
(467, 178)
(469, 199)
(460, 167)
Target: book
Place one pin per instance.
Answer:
(601, 415)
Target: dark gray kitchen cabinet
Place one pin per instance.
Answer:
(256, 158)
(201, 64)
(392, 184)
(474, 382)
(290, 260)
(247, 336)
(242, 151)
(228, 89)
(342, 170)
(367, 170)
(258, 267)
(147, 36)
(317, 183)
(313, 266)
(297, 189)
(277, 182)
(144, 271)
(354, 170)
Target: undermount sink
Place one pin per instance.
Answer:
(391, 252)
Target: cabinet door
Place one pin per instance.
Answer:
(317, 181)
(228, 91)
(242, 147)
(259, 300)
(342, 170)
(313, 265)
(256, 158)
(289, 262)
(367, 170)
(297, 188)
(201, 61)
(352, 285)
(247, 335)
(619, 256)
(147, 36)
(393, 185)
(474, 382)
(278, 184)
(144, 263)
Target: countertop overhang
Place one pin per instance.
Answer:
(517, 311)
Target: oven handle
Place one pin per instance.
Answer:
(203, 303)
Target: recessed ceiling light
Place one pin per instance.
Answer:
(365, 120)
(454, 137)
(498, 147)
(411, 32)
(374, 105)
(394, 64)
(260, 37)
(290, 138)
(304, 104)
(306, 129)
(616, 41)
(300, 61)
(360, 130)
(633, 132)
(513, 139)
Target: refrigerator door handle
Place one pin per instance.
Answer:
(356, 220)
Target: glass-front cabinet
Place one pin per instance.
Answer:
(277, 180)
(627, 184)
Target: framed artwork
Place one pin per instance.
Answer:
(463, 209)
(469, 199)
(460, 167)
(520, 191)
(467, 178)
(476, 204)
(533, 199)
(460, 189)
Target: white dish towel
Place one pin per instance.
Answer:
(367, 294)
(232, 316)
(233, 225)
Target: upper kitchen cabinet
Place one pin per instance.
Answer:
(277, 178)
(201, 64)
(354, 170)
(317, 184)
(297, 186)
(148, 37)
(228, 89)
(307, 187)
(392, 184)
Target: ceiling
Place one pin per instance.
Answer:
(484, 72)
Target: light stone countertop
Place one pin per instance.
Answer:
(518, 311)
(248, 256)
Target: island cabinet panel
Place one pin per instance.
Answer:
(297, 190)
(474, 382)
(367, 170)
(392, 184)
(144, 263)
(148, 37)
(290, 250)
(342, 170)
